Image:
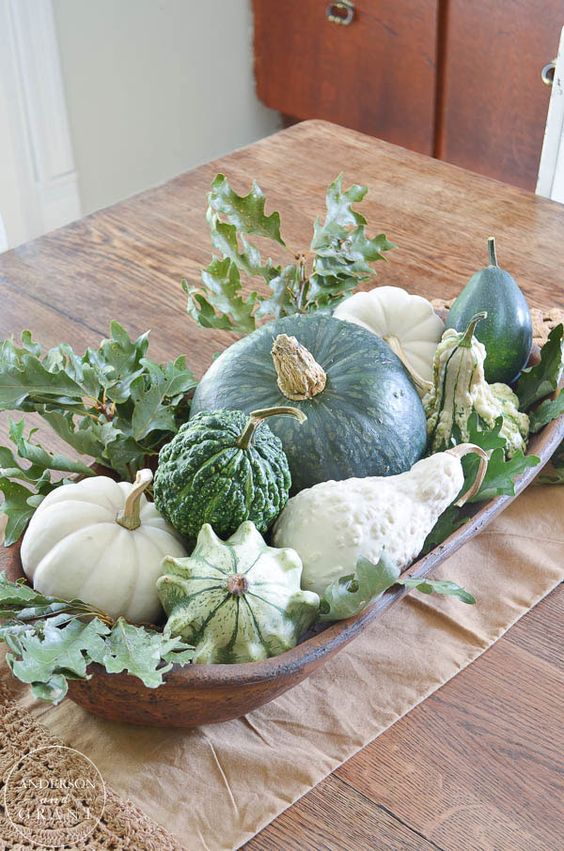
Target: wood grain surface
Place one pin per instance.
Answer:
(460, 785)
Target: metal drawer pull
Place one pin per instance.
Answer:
(547, 73)
(341, 12)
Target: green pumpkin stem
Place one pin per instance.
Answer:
(466, 340)
(130, 517)
(491, 251)
(256, 418)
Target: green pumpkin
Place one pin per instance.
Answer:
(223, 468)
(364, 416)
(238, 600)
(507, 333)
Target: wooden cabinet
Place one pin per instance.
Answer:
(458, 79)
(377, 75)
(495, 103)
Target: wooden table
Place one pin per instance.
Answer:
(476, 765)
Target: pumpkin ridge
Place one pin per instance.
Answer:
(254, 620)
(243, 572)
(197, 635)
(231, 643)
(268, 602)
(209, 564)
(233, 555)
(202, 590)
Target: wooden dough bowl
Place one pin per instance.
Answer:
(207, 694)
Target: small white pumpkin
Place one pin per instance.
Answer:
(102, 542)
(406, 322)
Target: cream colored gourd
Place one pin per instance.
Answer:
(406, 322)
(460, 389)
(334, 523)
(102, 542)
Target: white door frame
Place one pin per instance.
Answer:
(551, 170)
(39, 178)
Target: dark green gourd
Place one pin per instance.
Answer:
(222, 468)
(507, 333)
(364, 417)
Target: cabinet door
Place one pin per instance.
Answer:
(494, 103)
(377, 75)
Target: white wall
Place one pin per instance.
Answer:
(155, 87)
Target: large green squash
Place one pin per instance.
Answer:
(507, 332)
(238, 600)
(364, 417)
(222, 468)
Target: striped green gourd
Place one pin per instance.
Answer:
(236, 600)
(460, 390)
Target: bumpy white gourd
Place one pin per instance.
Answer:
(334, 523)
(408, 323)
(102, 542)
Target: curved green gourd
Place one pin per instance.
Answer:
(238, 600)
(223, 468)
(507, 333)
(364, 416)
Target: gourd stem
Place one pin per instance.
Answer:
(466, 341)
(256, 418)
(299, 375)
(130, 517)
(465, 449)
(491, 251)
(422, 385)
(237, 584)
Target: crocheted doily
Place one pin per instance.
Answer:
(29, 751)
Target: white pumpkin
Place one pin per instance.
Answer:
(406, 322)
(102, 542)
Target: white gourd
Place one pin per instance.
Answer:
(102, 542)
(334, 523)
(408, 323)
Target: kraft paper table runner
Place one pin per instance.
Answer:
(217, 786)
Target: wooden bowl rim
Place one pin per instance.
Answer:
(336, 635)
